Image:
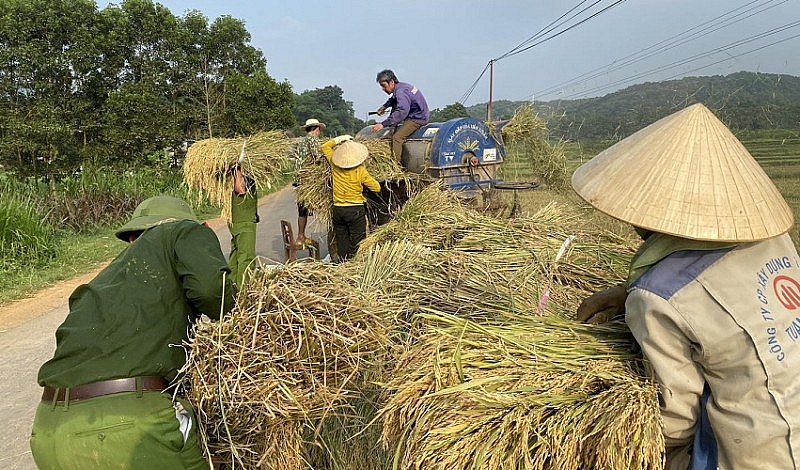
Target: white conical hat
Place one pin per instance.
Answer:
(685, 175)
(349, 154)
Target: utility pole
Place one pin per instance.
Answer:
(491, 84)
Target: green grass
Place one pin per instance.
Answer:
(25, 238)
(77, 255)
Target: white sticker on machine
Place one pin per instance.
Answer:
(490, 155)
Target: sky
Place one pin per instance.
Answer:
(567, 49)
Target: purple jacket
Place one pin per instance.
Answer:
(406, 102)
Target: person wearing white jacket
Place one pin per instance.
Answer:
(713, 293)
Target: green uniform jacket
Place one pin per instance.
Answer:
(132, 319)
(244, 217)
(244, 207)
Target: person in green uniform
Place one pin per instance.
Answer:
(107, 399)
(244, 217)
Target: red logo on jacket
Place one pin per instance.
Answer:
(788, 291)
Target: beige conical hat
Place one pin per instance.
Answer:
(349, 154)
(685, 175)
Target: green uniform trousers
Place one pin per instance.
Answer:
(122, 431)
(243, 249)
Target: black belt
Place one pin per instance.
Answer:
(105, 387)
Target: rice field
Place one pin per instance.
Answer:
(785, 173)
(778, 153)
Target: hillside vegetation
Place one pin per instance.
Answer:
(745, 101)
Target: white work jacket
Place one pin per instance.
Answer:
(730, 318)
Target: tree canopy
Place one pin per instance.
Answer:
(119, 84)
(451, 111)
(329, 106)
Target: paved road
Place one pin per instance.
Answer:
(27, 329)
(269, 244)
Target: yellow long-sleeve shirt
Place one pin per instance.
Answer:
(348, 183)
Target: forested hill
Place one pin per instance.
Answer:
(743, 100)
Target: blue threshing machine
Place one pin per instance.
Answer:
(464, 152)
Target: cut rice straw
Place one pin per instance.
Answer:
(316, 191)
(208, 166)
(438, 312)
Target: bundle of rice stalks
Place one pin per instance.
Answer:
(528, 146)
(479, 255)
(380, 163)
(525, 125)
(208, 165)
(350, 438)
(541, 393)
(417, 278)
(443, 306)
(293, 350)
(432, 218)
(496, 374)
(316, 191)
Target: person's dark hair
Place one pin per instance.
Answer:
(311, 128)
(386, 76)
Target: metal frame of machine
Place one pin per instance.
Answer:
(463, 152)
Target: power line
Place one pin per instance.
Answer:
(641, 55)
(569, 28)
(737, 55)
(699, 56)
(522, 46)
(547, 28)
(672, 42)
(469, 91)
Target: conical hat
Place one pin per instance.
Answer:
(349, 154)
(685, 175)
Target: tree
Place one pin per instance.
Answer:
(119, 84)
(44, 47)
(137, 118)
(451, 111)
(226, 53)
(258, 102)
(139, 115)
(328, 105)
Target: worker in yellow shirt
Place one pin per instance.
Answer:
(348, 216)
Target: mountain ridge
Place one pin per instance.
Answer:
(744, 101)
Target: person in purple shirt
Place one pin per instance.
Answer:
(409, 110)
